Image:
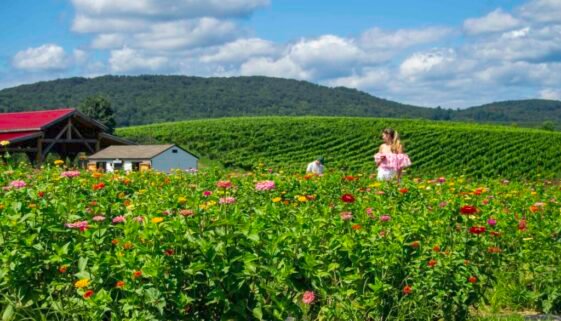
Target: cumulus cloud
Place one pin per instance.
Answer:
(377, 38)
(545, 11)
(108, 41)
(130, 60)
(240, 50)
(45, 57)
(422, 63)
(283, 67)
(495, 21)
(549, 93)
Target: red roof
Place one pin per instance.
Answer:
(17, 136)
(31, 120)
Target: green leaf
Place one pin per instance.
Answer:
(8, 314)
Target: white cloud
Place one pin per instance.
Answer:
(424, 62)
(45, 57)
(552, 94)
(542, 10)
(495, 21)
(79, 56)
(130, 60)
(377, 38)
(241, 50)
(108, 41)
(370, 79)
(83, 23)
(183, 34)
(283, 67)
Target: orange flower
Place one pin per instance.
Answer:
(356, 227)
(415, 244)
(137, 274)
(432, 263)
(114, 241)
(63, 268)
(128, 245)
(472, 279)
(494, 250)
(534, 208)
(436, 248)
(120, 284)
(407, 290)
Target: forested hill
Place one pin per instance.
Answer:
(153, 99)
(150, 99)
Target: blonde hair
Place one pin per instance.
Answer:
(396, 145)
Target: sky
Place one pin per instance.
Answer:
(452, 54)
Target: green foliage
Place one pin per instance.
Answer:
(548, 125)
(349, 144)
(99, 108)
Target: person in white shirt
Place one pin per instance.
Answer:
(315, 167)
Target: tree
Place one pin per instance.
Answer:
(548, 125)
(99, 108)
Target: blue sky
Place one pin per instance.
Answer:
(431, 52)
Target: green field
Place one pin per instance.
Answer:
(436, 148)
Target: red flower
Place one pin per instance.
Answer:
(478, 191)
(120, 284)
(349, 178)
(477, 230)
(494, 250)
(432, 263)
(356, 227)
(407, 290)
(347, 198)
(169, 252)
(88, 294)
(522, 225)
(63, 268)
(114, 241)
(415, 244)
(41, 194)
(472, 279)
(98, 186)
(403, 190)
(468, 210)
(436, 248)
(137, 274)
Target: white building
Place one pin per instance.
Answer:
(163, 158)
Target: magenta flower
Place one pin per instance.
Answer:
(265, 185)
(345, 216)
(81, 225)
(118, 219)
(70, 174)
(441, 180)
(385, 218)
(308, 297)
(492, 222)
(98, 218)
(18, 184)
(227, 200)
(207, 193)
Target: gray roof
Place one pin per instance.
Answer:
(131, 152)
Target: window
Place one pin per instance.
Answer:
(174, 151)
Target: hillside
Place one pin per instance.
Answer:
(150, 99)
(532, 111)
(436, 148)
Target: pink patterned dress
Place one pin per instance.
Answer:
(390, 164)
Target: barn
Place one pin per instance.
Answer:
(67, 132)
(162, 158)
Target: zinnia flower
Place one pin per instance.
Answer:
(207, 193)
(70, 174)
(118, 219)
(82, 225)
(347, 198)
(472, 279)
(88, 294)
(385, 218)
(432, 263)
(98, 218)
(265, 186)
(224, 184)
(186, 212)
(356, 227)
(468, 210)
(17, 184)
(227, 200)
(477, 230)
(157, 220)
(492, 222)
(407, 290)
(403, 190)
(137, 274)
(120, 284)
(345, 216)
(82, 283)
(98, 186)
(308, 297)
(138, 219)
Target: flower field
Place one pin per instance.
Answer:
(269, 245)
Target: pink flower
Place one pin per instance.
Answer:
(345, 216)
(224, 184)
(186, 212)
(227, 200)
(441, 180)
(166, 213)
(98, 218)
(492, 222)
(385, 218)
(308, 297)
(265, 185)
(138, 219)
(207, 193)
(82, 225)
(118, 219)
(443, 204)
(18, 184)
(369, 211)
(70, 174)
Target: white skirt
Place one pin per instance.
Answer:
(385, 174)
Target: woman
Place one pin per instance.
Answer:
(390, 158)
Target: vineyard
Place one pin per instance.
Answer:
(264, 245)
(349, 143)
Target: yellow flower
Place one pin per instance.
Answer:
(59, 162)
(451, 184)
(4, 143)
(82, 283)
(157, 220)
(96, 175)
(534, 193)
(121, 195)
(1, 206)
(32, 205)
(373, 185)
(277, 199)
(302, 199)
(181, 200)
